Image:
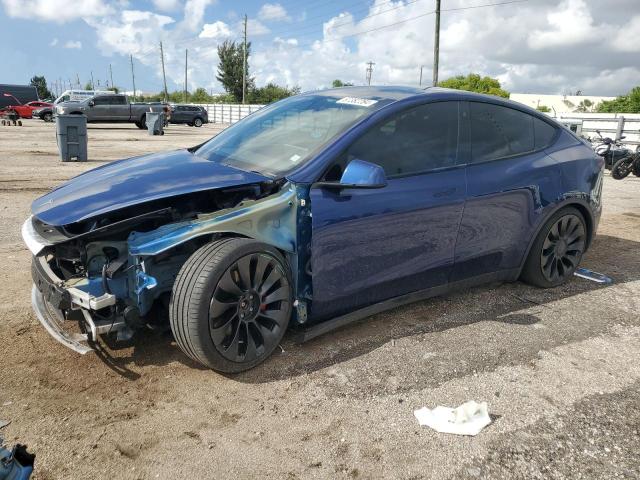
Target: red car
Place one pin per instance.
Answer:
(25, 111)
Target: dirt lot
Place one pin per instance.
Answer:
(559, 369)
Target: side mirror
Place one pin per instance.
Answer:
(359, 174)
(92, 103)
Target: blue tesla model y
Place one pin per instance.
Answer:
(315, 211)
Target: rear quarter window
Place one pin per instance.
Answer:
(499, 132)
(543, 133)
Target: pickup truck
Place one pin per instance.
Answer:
(111, 109)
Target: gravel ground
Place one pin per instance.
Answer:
(559, 369)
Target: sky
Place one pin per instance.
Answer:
(531, 46)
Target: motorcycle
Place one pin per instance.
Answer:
(625, 166)
(615, 154)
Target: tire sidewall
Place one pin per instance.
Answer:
(532, 272)
(200, 312)
(197, 122)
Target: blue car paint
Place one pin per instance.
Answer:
(369, 245)
(135, 181)
(372, 244)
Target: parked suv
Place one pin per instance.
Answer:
(190, 114)
(313, 212)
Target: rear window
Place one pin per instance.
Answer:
(543, 133)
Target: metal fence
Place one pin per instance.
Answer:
(614, 125)
(227, 112)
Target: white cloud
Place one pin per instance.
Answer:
(273, 12)
(194, 13)
(218, 30)
(627, 38)
(73, 44)
(570, 24)
(54, 42)
(59, 11)
(166, 5)
(254, 28)
(133, 32)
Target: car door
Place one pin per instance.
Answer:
(119, 108)
(369, 245)
(101, 110)
(509, 178)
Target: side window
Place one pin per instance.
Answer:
(543, 133)
(101, 100)
(498, 132)
(418, 140)
(119, 100)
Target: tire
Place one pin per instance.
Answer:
(224, 313)
(621, 168)
(197, 122)
(557, 250)
(47, 117)
(142, 124)
(635, 168)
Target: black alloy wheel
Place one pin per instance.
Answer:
(231, 303)
(249, 308)
(563, 248)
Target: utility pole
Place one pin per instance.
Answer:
(421, 66)
(93, 87)
(78, 80)
(369, 72)
(186, 53)
(244, 62)
(436, 46)
(164, 77)
(133, 77)
(111, 75)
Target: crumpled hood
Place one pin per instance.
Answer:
(135, 181)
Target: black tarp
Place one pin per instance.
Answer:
(24, 93)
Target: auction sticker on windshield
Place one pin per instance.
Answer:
(360, 102)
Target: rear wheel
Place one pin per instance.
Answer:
(557, 251)
(231, 304)
(635, 168)
(142, 124)
(47, 117)
(197, 122)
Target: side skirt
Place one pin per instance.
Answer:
(306, 334)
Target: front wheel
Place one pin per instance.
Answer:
(622, 168)
(197, 122)
(47, 117)
(557, 250)
(231, 304)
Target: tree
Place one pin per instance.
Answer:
(543, 108)
(339, 83)
(271, 93)
(230, 68)
(585, 106)
(88, 86)
(474, 83)
(629, 103)
(40, 83)
(113, 89)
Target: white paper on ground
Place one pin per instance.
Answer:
(468, 419)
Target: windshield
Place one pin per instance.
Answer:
(279, 138)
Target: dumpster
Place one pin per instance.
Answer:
(155, 123)
(71, 134)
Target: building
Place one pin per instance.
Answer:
(560, 104)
